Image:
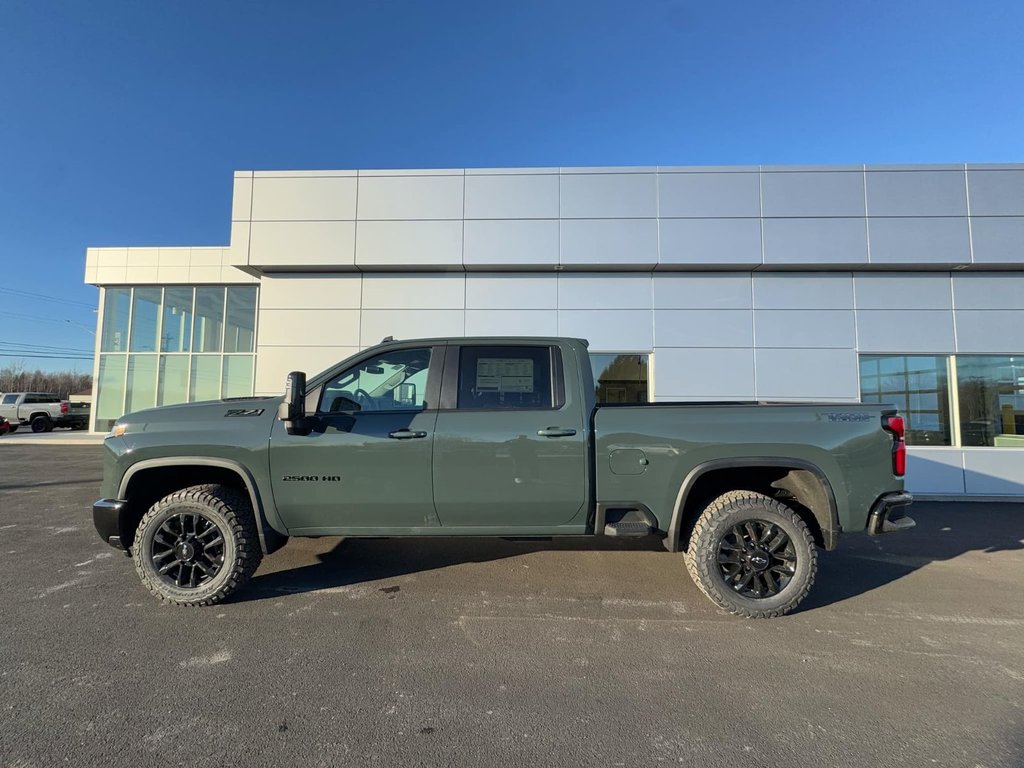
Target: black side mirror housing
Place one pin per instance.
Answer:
(293, 407)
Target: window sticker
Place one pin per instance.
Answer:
(503, 374)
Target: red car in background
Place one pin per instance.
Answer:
(5, 426)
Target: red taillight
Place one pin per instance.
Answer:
(895, 425)
(63, 407)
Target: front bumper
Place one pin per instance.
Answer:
(106, 516)
(887, 515)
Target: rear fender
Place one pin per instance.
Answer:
(827, 518)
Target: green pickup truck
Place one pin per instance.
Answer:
(497, 437)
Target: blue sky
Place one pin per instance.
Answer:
(121, 122)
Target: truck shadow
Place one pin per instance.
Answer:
(355, 561)
(859, 565)
(944, 531)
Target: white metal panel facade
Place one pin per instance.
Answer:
(747, 282)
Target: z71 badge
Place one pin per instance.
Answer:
(245, 412)
(849, 417)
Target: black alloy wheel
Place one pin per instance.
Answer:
(198, 545)
(752, 555)
(187, 550)
(757, 559)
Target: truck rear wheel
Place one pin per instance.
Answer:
(752, 555)
(198, 545)
(41, 424)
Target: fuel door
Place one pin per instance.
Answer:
(627, 461)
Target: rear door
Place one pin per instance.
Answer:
(510, 440)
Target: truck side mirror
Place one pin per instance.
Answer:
(293, 407)
(405, 394)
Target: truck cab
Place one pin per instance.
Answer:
(454, 422)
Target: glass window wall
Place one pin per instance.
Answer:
(178, 336)
(916, 384)
(145, 319)
(620, 378)
(973, 401)
(110, 390)
(209, 321)
(237, 379)
(991, 399)
(176, 329)
(240, 327)
(116, 312)
(141, 383)
(204, 382)
(173, 384)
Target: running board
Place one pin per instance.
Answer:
(624, 519)
(628, 528)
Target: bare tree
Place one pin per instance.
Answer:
(15, 377)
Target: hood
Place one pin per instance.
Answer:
(219, 415)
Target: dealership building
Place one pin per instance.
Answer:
(901, 284)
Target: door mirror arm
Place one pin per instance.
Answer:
(292, 410)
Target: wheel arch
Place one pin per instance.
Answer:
(163, 476)
(806, 481)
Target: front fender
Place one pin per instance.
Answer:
(272, 536)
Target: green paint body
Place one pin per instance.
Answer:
(489, 472)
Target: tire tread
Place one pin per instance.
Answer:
(700, 571)
(237, 509)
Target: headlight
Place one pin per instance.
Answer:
(116, 431)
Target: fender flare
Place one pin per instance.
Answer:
(270, 539)
(829, 524)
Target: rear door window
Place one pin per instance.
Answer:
(506, 377)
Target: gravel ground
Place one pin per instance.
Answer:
(909, 651)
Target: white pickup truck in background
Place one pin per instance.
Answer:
(42, 411)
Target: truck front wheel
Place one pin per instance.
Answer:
(752, 555)
(198, 545)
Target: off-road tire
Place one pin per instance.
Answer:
(230, 510)
(716, 521)
(41, 424)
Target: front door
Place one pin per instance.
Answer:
(366, 464)
(510, 441)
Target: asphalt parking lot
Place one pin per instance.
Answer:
(910, 650)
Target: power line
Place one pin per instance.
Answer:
(37, 318)
(21, 356)
(44, 297)
(30, 347)
(54, 352)
(8, 342)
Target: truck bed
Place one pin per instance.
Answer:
(644, 453)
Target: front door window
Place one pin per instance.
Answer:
(392, 381)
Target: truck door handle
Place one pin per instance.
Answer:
(556, 432)
(406, 434)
